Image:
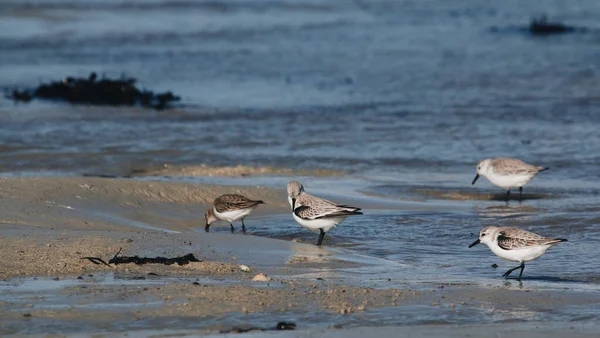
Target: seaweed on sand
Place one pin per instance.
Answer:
(280, 326)
(116, 260)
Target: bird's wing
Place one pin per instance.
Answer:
(314, 200)
(513, 166)
(234, 202)
(514, 238)
(312, 213)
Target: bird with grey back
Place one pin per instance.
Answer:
(507, 173)
(314, 213)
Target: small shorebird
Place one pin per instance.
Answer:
(515, 245)
(230, 208)
(314, 213)
(507, 173)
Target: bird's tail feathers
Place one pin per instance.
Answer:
(342, 213)
(348, 207)
(552, 241)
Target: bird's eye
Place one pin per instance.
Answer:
(482, 235)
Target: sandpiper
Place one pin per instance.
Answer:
(515, 245)
(230, 208)
(507, 173)
(314, 213)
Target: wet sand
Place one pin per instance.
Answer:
(50, 224)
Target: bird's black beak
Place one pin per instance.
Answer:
(207, 227)
(293, 204)
(475, 243)
(475, 179)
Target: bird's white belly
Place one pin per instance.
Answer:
(322, 223)
(233, 215)
(520, 255)
(509, 181)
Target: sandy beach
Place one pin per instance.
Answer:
(121, 122)
(50, 224)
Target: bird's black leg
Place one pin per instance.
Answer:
(207, 228)
(520, 194)
(232, 229)
(510, 271)
(507, 194)
(321, 236)
(522, 267)
(243, 226)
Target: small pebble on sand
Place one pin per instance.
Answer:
(261, 277)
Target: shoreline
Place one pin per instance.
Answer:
(50, 224)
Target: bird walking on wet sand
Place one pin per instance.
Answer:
(314, 213)
(230, 208)
(507, 173)
(515, 245)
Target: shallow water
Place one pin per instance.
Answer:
(431, 237)
(404, 96)
(395, 88)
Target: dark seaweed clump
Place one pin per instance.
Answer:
(541, 26)
(116, 260)
(94, 91)
(280, 326)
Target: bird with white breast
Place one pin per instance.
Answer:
(507, 173)
(229, 208)
(314, 213)
(515, 245)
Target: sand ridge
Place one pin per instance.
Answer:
(239, 170)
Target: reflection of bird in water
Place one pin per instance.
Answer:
(521, 211)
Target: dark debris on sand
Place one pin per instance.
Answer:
(281, 326)
(94, 91)
(116, 260)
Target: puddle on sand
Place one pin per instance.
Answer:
(35, 285)
(40, 285)
(133, 223)
(55, 292)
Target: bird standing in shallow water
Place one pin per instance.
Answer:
(507, 173)
(314, 213)
(515, 244)
(230, 208)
